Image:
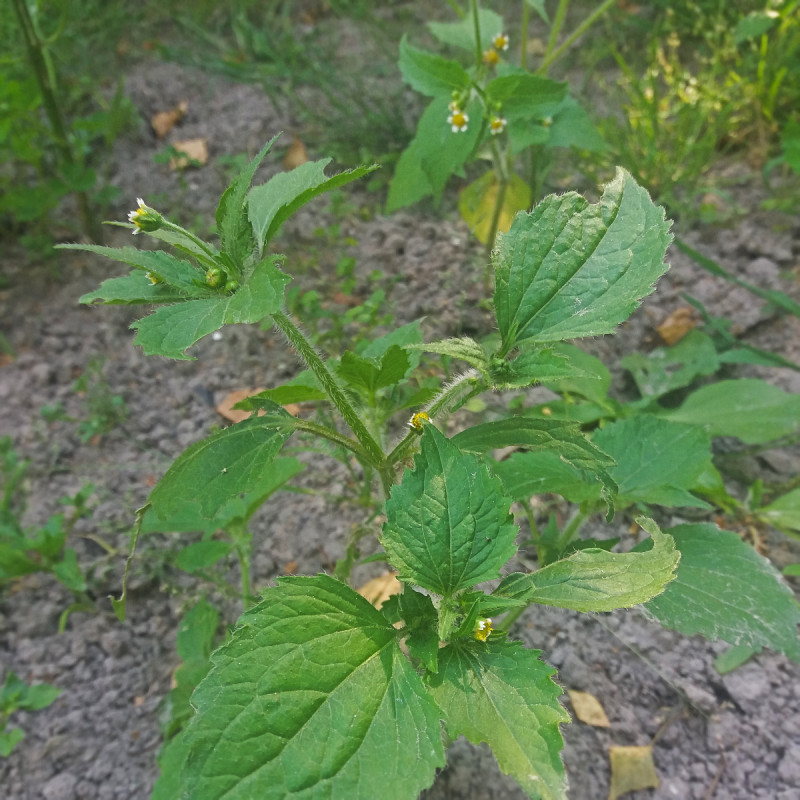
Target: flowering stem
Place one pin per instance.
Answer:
(371, 449)
(463, 385)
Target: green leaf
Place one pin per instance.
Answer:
(180, 274)
(435, 153)
(68, 571)
(9, 739)
(668, 368)
(202, 555)
(783, 513)
(594, 386)
(755, 24)
(464, 349)
(539, 7)
(542, 365)
(447, 525)
(750, 409)
(226, 464)
(595, 580)
(272, 203)
(462, 33)
(502, 694)
(542, 434)
(524, 97)
(527, 474)
(313, 681)
(570, 269)
(170, 330)
(366, 375)
(431, 74)
(656, 461)
(573, 127)
(725, 590)
(235, 234)
(420, 617)
(132, 289)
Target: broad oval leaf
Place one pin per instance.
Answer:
(656, 461)
(595, 580)
(502, 694)
(221, 467)
(310, 697)
(570, 269)
(725, 590)
(750, 409)
(447, 523)
(429, 73)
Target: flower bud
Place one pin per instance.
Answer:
(145, 218)
(215, 277)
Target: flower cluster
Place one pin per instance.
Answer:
(418, 420)
(491, 56)
(483, 628)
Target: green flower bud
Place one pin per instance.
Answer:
(215, 277)
(231, 286)
(145, 218)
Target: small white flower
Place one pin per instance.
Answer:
(497, 125)
(500, 41)
(458, 121)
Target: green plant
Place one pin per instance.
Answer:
(313, 677)
(16, 695)
(718, 78)
(105, 410)
(49, 156)
(24, 551)
(491, 110)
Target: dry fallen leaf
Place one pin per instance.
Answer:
(677, 325)
(164, 121)
(587, 709)
(195, 151)
(380, 589)
(290, 568)
(226, 406)
(295, 155)
(632, 768)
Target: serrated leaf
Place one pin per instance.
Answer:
(542, 434)
(176, 272)
(232, 213)
(224, 465)
(596, 580)
(368, 376)
(464, 349)
(502, 694)
(462, 33)
(570, 269)
(272, 203)
(447, 525)
(477, 204)
(430, 74)
(312, 679)
(594, 387)
(725, 590)
(656, 461)
(749, 408)
(170, 330)
(133, 289)
(540, 366)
